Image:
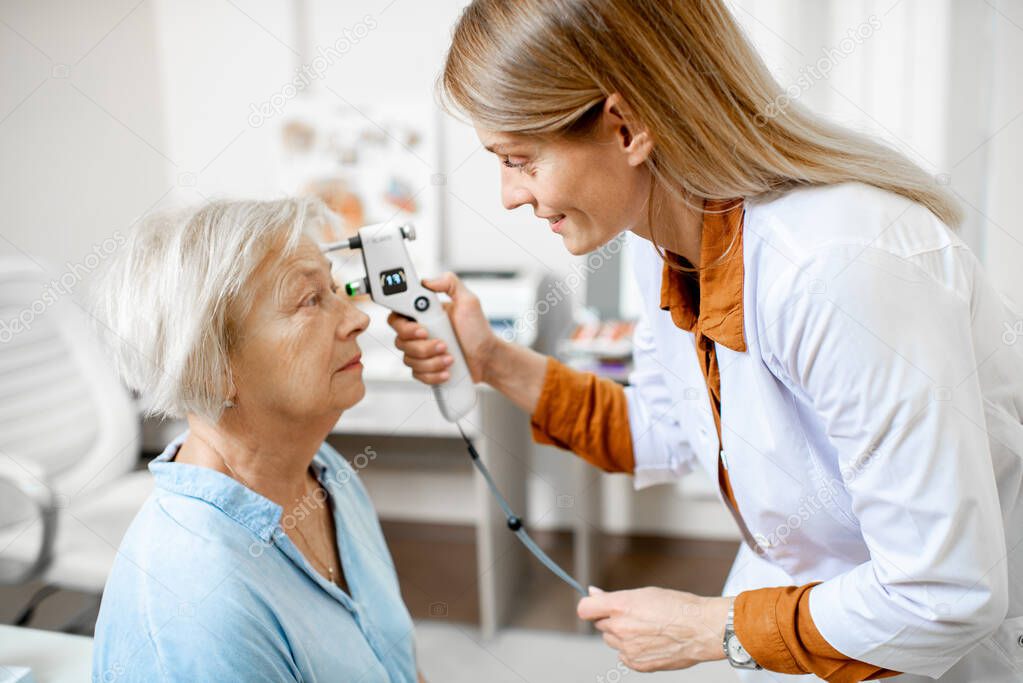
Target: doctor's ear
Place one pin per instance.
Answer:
(631, 136)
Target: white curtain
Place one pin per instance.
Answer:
(938, 79)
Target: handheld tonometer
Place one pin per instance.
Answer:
(391, 281)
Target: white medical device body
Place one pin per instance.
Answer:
(392, 282)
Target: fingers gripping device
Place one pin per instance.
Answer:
(391, 281)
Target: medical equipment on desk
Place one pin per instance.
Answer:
(391, 281)
(531, 308)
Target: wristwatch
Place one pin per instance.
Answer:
(734, 651)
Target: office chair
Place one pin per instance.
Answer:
(69, 440)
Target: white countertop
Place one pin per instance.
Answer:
(53, 657)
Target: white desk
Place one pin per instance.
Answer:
(53, 657)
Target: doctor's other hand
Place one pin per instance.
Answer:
(429, 358)
(655, 629)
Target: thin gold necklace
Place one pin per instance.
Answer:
(327, 565)
(330, 567)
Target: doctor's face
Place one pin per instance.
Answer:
(587, 190)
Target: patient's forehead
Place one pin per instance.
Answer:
(280, 275)
(306, 254)
(305, 257)
(275, 283)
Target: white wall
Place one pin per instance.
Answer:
(937, 79)
(216, 58)
(398, 62)
(1002, 220)
(158, 111)
(81, 125)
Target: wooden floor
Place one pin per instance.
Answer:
(437, 568)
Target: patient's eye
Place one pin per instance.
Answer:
(317, 297)
(317, 291)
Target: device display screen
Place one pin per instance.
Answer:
(393, 281)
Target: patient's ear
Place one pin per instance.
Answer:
(228, 389)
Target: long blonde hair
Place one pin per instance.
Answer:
(689, 75)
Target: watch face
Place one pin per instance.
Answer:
(736, 652)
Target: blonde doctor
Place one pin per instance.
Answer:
(814, 335)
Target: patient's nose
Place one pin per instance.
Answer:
(353, 323)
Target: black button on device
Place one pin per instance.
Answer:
(422, 303)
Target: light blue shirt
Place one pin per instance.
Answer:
(207, 586)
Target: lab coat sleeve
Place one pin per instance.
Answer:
(661, 449)
(881, 349)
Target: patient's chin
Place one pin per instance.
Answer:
(350, 391)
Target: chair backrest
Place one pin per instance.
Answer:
(62, 407)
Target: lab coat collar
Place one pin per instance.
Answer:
(718, 313)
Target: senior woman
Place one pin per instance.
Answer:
(259, 556)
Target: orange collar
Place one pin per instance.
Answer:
(715, 309)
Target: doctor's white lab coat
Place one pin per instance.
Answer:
(873, 430)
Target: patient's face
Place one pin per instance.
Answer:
(298, 341)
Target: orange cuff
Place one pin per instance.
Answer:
(585, 414)
(775, 626)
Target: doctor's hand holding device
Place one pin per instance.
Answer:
(391, 281)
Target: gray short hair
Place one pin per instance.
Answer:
(168, 301)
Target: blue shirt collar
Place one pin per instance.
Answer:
(260, 515)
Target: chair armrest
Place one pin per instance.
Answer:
(36, 488)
